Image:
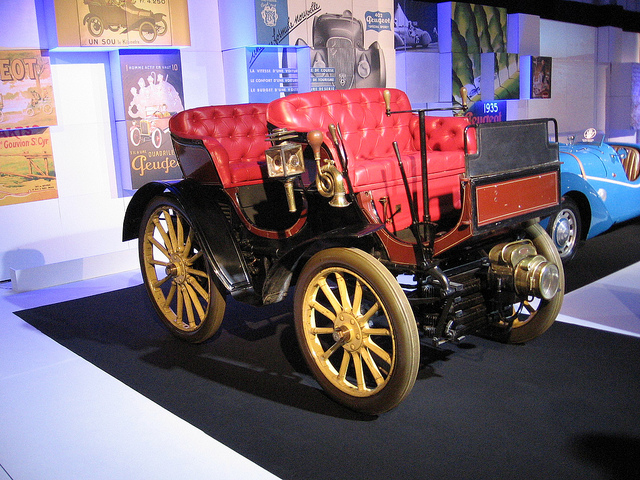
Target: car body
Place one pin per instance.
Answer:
(600, 187)
(392, 228)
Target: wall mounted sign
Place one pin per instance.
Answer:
(120, 23)
(26, 91)
(27, 173)
(151, 93)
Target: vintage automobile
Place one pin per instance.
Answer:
(393, 229)
(600, 187)
(123, 14)
(338, 51)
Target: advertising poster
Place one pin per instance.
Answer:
(476, 30)
(541, 77)
(124, 22)
(272, 73)
(152, 91)
(506, 76)
(27, 173)
(487, 112)
(26, 91)
(415, 25)
(120, 23)
(351, 44)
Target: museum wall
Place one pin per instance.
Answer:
(591, 87)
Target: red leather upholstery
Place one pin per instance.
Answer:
(369, 134)
(234, 135)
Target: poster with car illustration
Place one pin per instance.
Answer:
(351, 44)
(26, 91)
(124, 22)
(152, 92)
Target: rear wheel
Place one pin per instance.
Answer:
(534, 316)
(356, 330)
(177, 272)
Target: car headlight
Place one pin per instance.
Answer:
(284, 159)
(364, 68)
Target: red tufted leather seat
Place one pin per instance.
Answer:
(234, 135)
(369, 134)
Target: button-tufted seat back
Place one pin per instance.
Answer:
(368, 136)
(234, 135)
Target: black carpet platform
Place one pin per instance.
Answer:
(566, 405)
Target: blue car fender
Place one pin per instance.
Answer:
(576, 187)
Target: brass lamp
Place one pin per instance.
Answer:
(285, 160)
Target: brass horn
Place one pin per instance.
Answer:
(329, 180)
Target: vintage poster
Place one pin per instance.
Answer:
(506, 76)
(26, 91)
(541, 77)
(476, 30)
(351, 45)
(152, 91)
(124, 22)
(27, 173)
(119, 23)
(272, 73)
(415, 25)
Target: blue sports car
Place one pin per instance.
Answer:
(600, 187)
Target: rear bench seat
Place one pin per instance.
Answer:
(235, 137)
(368, 135)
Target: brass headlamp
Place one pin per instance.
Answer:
(285, 160)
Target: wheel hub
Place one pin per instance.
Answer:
(177, 269)
(563, 232)
(347, 329)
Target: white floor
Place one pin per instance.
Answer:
(63, 418)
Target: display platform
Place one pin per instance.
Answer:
(106, 392)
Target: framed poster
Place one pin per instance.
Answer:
(541, 77)
(351, 45)
(26, 91)
(151, 93)
(119, 23)
(27, 173)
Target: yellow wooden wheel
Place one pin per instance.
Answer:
(177, 272)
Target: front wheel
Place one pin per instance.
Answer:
(147, 31)
(135, 136)
(565, 229)
(534, 316)
(356, 330)
(177, 272)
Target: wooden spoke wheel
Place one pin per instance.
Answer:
(177, 273)
(356, 330)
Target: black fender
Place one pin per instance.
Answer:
(282, 271)
(206, 216)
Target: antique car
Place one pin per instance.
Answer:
(391, 228)
(151, 127)
(600, 187)
(338, 51)
(123, 15)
